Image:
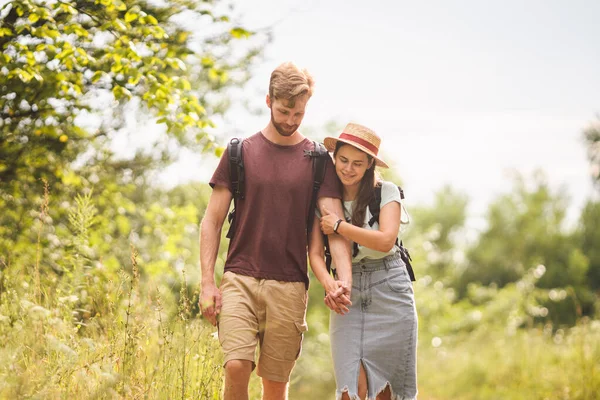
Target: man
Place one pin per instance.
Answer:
(263, 293)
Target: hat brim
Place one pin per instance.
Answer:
(331, 142)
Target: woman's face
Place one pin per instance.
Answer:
(351, 164)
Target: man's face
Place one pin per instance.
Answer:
(285, 119)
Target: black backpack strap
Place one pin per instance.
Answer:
(236, 177)
(327, 254)
(400, 244)
(374, 208)
(375, 204)
(405, 256)
(319, 166)
(318, 155)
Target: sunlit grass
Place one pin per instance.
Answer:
(98, 335)
(529, 364)
(136, 350)
(90, 332)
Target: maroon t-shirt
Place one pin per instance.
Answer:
(270, 238)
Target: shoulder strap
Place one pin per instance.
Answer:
(319, 166)
(405, 256)
(375, 208)
(236, 177)
(375, 204)
(318, 155)
(236, 167)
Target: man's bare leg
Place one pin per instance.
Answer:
(273, 390)
(237, 377)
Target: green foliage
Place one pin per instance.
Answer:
(592, 139)
(525, 228)
(73, 72)
(58, 54)
(116, 321)
(98, 332)
(589, 236)
(529, 364)
(436, 229)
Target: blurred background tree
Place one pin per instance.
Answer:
(589, 223)
(592, 139)
(524, 229)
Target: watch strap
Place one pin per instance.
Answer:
(337, 225)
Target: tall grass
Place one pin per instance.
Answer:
(529, 364)
(85, 333)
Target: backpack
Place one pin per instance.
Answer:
(238, 181)
(374, 209)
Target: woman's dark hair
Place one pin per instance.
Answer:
(365, 190)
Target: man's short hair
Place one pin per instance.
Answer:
(288, 82)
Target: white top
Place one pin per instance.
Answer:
(389, 193)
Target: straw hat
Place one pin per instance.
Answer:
(360, 137)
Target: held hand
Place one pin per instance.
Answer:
(328, 220)
(333, 306)
(338, 297)
(210, 302)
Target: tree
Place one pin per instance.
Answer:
(70, 71)
(437, 228)
(592, 138)
(590, 241)
(525, 228)
(590, 216)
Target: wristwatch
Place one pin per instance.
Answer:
(337, 225)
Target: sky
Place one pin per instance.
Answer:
(463, 93)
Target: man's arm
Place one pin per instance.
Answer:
(210, 238)
(382, 239)
(338, 245)
(316, 256)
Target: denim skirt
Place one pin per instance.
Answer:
(379, 331)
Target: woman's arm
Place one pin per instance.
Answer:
(380, 240)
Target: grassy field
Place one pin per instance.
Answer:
(99, 330)
(137, 342)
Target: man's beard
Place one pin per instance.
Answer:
(280, 128)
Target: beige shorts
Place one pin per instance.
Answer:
(265, 312)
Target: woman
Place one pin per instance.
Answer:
(374, 344)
